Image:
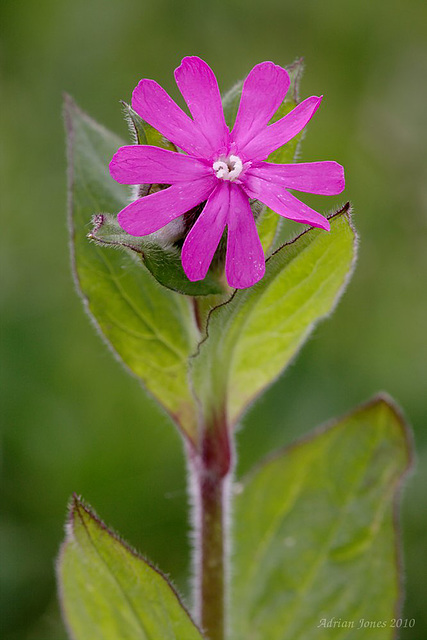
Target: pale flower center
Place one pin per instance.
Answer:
(228, 168)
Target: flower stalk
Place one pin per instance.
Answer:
(211, 467)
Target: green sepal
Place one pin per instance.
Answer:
(166, 266)
(164, 263)
(316, 536)
(109, 592)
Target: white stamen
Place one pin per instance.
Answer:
(220, 168)
(228, 168)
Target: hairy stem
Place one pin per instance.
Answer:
(210, 476)
(212, 560)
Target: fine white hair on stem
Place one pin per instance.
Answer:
(195, 532)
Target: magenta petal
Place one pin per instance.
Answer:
(151, 213)
(245, 262)
(203, 239)
(157, 108)
(140, 164)
(283, 203)
(199, 88)
(263, 92)
(324, 178)
(280, 132)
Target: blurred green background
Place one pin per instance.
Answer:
(72, 419)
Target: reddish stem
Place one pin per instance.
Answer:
(210, 471)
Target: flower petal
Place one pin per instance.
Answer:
(140, 164)
(152, 212)
(263, 92)
(202, 241)
(245, 262)
(199, 88)
(282, 202)
(157, 108)
(280, 132)
(324, 178)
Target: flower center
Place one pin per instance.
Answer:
(228, 168)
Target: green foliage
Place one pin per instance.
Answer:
(315, 533)
(149, 327)
(109, 592)
(254, 336)
(312, 523)
(60, 390)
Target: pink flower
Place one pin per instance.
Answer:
(223, 168)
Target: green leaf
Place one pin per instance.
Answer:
(109, 592)
(164, 263)
(268, 222)
(255, 335)
(315, 533)
(149, 327)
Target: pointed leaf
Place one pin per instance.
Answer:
(255, 335)
(149, 327)
(315, 534)
(109, 592)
